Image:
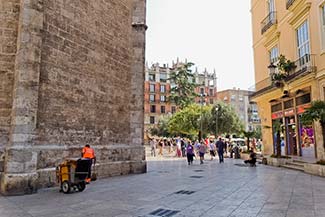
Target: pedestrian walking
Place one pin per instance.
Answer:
(190, 153)
(212, 148)
(153, 147)
(202, 150)
(220, 147)
(161, 145)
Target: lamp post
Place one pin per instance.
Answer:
(202, 95)
(272, 69)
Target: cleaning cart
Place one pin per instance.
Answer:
(72, 173)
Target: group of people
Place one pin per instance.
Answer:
(197, 149)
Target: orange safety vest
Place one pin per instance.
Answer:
(88, 153)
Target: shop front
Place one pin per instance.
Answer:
(297, 139)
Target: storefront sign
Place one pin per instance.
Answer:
(302, 109)
(277, 115)
(289, 112)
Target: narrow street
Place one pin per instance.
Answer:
(172, 188)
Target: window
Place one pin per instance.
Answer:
(277, 107)
(323, 25)
(274, 54)
(163, 88)
(233, 98)
(211, 92)
(162, 98)
(288, 104)
(152, 98)
(152, 77)
(163, 109)
(153, 109)
(202, 90)
(152, 88)
(152, 120)
(304, 99)
(173, 109)
(303, 42)
(163, 77)
(211, 101)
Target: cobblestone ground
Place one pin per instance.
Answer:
(171, 188)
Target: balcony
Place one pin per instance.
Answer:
(289, 3)
(268, 22)
(304, 66)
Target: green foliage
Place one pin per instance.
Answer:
(285, 66)
(225, 120)
(183, 93)
(188, 120)
(162, 129)
(315, 113)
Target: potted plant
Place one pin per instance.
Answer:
(285, 66)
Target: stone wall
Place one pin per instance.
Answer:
(9, 14)
(78, 79)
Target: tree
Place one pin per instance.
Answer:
(187, 122)
(162, 128)
(278, 128)
(183, 93)
(316, 113)
(248, 135)
(225, 119)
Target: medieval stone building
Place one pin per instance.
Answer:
(71, 73)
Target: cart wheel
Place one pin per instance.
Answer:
(81, 186)
(66, 187)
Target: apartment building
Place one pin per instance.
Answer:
(295, 29)
(157, 91)
(240, 100)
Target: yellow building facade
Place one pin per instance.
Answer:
(295, 29)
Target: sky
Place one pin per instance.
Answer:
(213, 34)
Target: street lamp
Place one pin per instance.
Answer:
(271, 68)
(217, 109)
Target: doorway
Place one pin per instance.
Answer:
(291, 136)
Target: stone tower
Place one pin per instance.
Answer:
(71, 73)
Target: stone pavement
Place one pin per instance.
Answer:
(174, 189)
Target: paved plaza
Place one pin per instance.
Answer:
(171, 188)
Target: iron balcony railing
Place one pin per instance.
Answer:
(303, 66)
(290, 3)
(268, 21)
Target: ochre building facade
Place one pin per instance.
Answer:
(71, 73)
(295, 29)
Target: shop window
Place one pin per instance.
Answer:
(288, 104)
(276, 107)
(304, 99)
